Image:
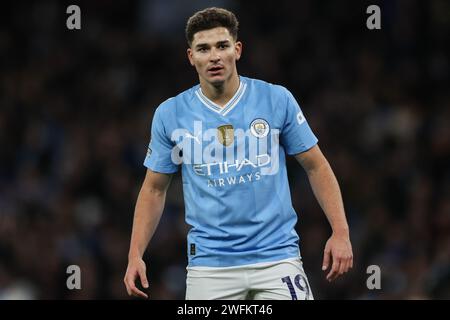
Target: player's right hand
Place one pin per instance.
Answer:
(136, 268)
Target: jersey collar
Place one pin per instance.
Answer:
(228, 106)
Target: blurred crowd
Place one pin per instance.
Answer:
(75, 114)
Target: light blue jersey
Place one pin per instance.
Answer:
(233, 161)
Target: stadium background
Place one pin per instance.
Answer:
(76, 108)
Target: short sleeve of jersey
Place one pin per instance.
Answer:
(296, 135)
(159, 154)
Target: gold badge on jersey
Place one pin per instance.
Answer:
(225, 134)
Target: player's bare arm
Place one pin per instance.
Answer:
(338, 249)
(148, 211)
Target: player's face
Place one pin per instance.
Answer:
(214, 53)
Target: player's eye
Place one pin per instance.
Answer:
(223, 46)
(203, 49)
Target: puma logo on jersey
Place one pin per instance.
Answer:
(187, 135)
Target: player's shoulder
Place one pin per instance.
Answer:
(262, 86)
(170, 105)
(187, 95)
(166, 105)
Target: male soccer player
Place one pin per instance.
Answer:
(230, 135)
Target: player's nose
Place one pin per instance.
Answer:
(214, 55)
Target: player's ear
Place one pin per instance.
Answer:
(189, 55)
(238, 49)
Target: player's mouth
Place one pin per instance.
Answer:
(215, 70)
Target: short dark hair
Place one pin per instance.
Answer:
(210, 18)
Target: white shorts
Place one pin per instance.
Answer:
(279, 280)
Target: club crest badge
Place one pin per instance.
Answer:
(259, 128)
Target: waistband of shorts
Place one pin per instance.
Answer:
(252, 265)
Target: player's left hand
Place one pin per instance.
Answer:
(338, 253)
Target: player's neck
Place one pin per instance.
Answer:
(222, 93)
